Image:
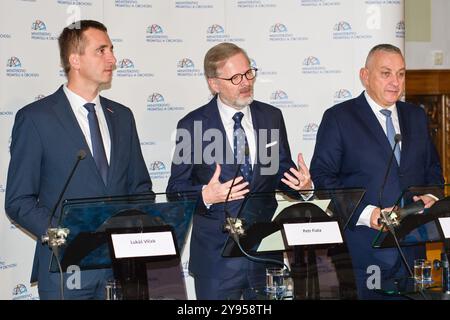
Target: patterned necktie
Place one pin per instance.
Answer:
(390, 132)
(240, 146)
(98, 149)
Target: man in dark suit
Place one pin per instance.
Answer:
(212, 140)
(353, 147)
(47, 136)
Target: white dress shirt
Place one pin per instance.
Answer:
(77, 104)
(226, 115)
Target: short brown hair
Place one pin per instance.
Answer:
(218, 54)
(383, 47)
(71, 39)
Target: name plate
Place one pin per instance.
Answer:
(312, 233)
(148, 244)
(445, 226)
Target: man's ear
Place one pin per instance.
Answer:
(213, 86)
(74, 60)
(364, 76)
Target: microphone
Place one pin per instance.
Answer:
(385, 216)
(234, 226)
(56, 237)
(397, 139)
(395, 217)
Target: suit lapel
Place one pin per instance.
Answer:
(370, 121)
(111, 120)
(405, 131)
(69, 122)
(257, 121)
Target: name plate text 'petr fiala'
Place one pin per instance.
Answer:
(298, 234)
(148, 244)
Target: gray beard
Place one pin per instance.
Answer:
(242, 103)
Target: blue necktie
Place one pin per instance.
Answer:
(390, 132)
(98, 149)
(240, 146)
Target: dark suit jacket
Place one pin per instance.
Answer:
(352, 150)
(46, 139)
(208, 237)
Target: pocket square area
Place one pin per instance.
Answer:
(271, 144)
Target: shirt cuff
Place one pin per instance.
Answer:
(309, 195)
(206, 204)
(364, 218)
(432, 196)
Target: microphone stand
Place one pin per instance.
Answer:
(391, 229)
(397, 139)
(234, 226)
(56, 237)
(385, 215)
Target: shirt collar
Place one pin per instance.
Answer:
(228, 112)
(77, 101)
(376, 107)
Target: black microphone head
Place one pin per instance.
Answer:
(398, 138)
(81, 154)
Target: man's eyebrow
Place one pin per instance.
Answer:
(105, 46)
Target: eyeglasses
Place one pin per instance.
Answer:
(250, 74)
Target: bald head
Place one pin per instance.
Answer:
(385, 47)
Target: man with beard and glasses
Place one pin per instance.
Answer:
(246, 133)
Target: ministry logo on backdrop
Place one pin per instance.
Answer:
(156, 102)
(383, 2)
(155, 33)
(194, 4)
(216, 33)
(5, 36)
(186, 68)
(116, 40)
(261, 71)
(281, 100)
(14, 68)
(39, 31)
(5, 265)
(2, 189)
(343, 31)
(255, 4)
(127, 69)
(21, 292)
(132, 4)
(279, 32)
(6, 113)
(312, 65)
(310, 131)
(342, 95)
(400, 29)
(75, 3)
(319, 3)
(158, 170)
